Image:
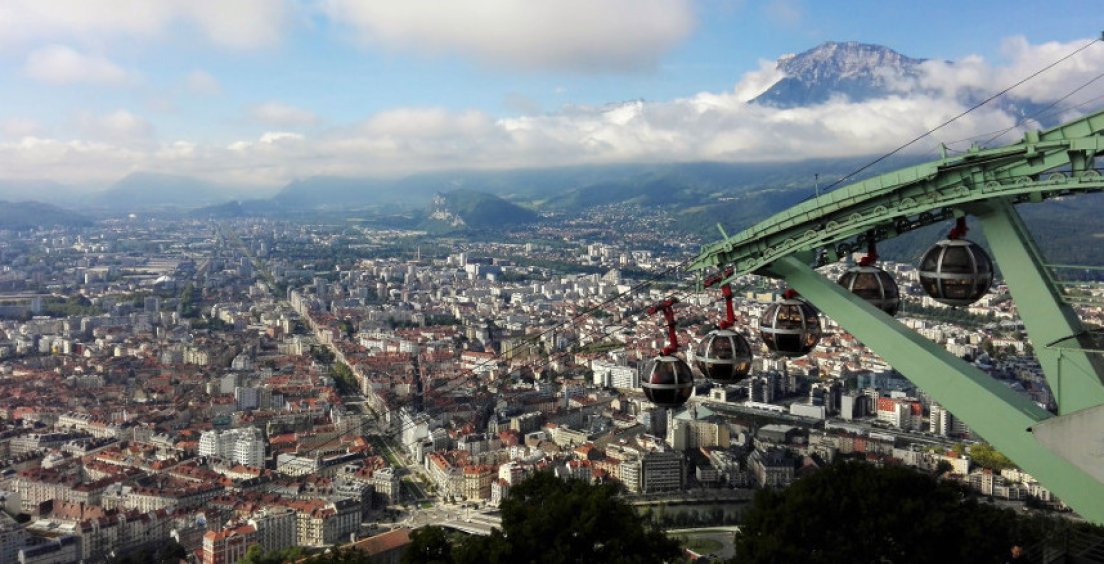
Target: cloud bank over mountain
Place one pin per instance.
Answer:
(721, 126)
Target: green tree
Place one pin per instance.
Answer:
(428, 545)
(256, 554)
(345, 555)
(986, 456)
(188, 301)
(958, 449)
(549, 520)
(856, 512)
(344, 379)
(169, 552)
(943, 467)
(322, 354)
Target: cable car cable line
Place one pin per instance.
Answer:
(1007, 89)
(964, 113)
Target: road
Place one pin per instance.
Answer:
(723, 535)
(399, 460)
(468, 520)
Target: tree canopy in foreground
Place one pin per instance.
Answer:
(549, 520)
(857, 512)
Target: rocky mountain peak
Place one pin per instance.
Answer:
(856, 70)
(849, 58)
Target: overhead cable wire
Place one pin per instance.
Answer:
(960, 115)
(1043, 111)
(573, 320)
(440, 409)
(656, 277)
(535, 366)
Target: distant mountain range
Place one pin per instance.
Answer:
(26, 215)
(699, 195)
(861, 71)
(139, 191)
(855, 70)
(46, 191)
(146, 190)
(464, 209)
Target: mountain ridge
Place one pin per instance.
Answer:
(29, 214)
(471, 209)
(150, 190)
(859, 71)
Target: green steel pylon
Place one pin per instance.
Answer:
(986, 183)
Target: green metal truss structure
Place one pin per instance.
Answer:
(1066, 453)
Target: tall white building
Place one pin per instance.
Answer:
(696, 427)
(942, 422)
(276, 527)
(615, 376)
(415, 428)
(245, 445)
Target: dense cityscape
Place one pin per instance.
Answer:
(220, 385)
(614, 281)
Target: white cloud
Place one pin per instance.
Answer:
(240, 24)
(1026, 59)
(201, 82)
(19, 127)
(565, 34)
(717, 126)
(177, 150)
(785, 13)
(71, 161)
(235, 24)
(279, 114)
(276, 137)
(973, 76)
(119, 127)
(758, 81)
(58, 64)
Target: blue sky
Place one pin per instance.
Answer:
(259, 92)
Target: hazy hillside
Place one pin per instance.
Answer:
(144, 190)
(25, 215)
(461, 209)
(46, 191)
(236, 209)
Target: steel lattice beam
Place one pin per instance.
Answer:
(886, 206)
(988, 183)
(1074, 376)
(992, 409)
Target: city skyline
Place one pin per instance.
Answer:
(262, 93)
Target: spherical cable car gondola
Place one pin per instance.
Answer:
(790, 327)
(723, 355)
(872, 283)
(667, 379)
(956, 271)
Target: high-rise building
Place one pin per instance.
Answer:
(245, 445)
(615, 376)
(661, 471)
(631, 474)
(854, 405)
(276, 527)
(944, 423)
(696, 427)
